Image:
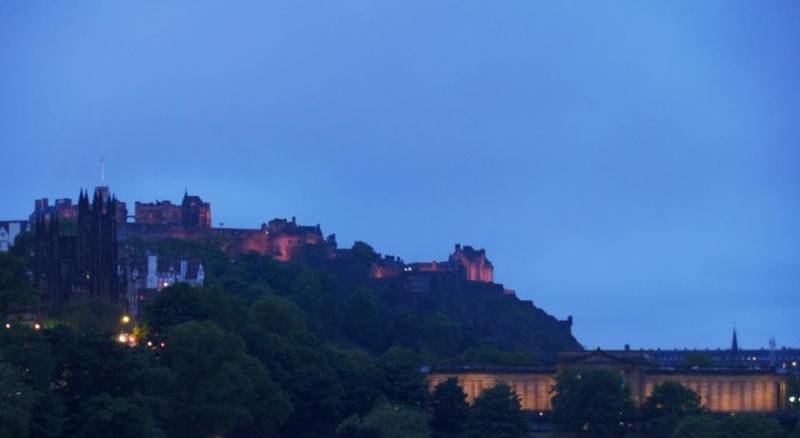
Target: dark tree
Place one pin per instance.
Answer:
(442, 335)
(181, 303)
(15, 287)
(793, 390)
(398, 421)
(15, 403)
(174, 305)
(364, 323)
(215, 386)
(360, 377)
(591, 399)
(353, 427)
(105, 416)
(282, 317)
(363, 251)
(697, 359)
(701, 426)
(669, 403)
(748, 426)
(497, 414)
(402, 381)
(29, 351)
(449, 409)
(91, 315)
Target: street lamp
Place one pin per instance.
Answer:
(126, 319)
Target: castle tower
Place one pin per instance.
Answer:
(82, 261)
(194, 212)
(46, 268)
(476, 266)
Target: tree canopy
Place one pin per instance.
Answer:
(449, 409)
(497, 413)
(594, 400)
(667, 405)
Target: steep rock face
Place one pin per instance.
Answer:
(486, 309)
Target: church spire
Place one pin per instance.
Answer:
(734, 342)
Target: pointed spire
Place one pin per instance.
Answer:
(734, 342)
(83, 200)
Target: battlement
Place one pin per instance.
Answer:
(159, 212)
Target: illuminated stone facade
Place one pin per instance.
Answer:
(465, 261)
(533, 386)
(721, 390)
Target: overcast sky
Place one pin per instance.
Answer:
(633, 164)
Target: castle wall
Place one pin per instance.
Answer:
(157, 213)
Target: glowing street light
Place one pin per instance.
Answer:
(126, 319)
(122, 338)
(37, 326)
(792, 399)
(8, 325)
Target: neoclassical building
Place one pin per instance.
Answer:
(721, 389)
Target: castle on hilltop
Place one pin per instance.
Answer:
(466, 262)
(77, 247)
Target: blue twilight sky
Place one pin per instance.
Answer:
(633, 164)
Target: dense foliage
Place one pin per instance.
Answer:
(593, 400)
(267, 350)
(264, 349)
(668, 404)
(449, 410)
(734, 426)
(497, 413)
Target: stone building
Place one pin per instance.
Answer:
(772, 357)
(721, 389)
(78, 258)
(9, 230)
(64, 209)
(147, 275)
(464, 261)
(192, 213)
(159, 212)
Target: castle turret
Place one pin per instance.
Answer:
(194, 212)
(476, 266)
